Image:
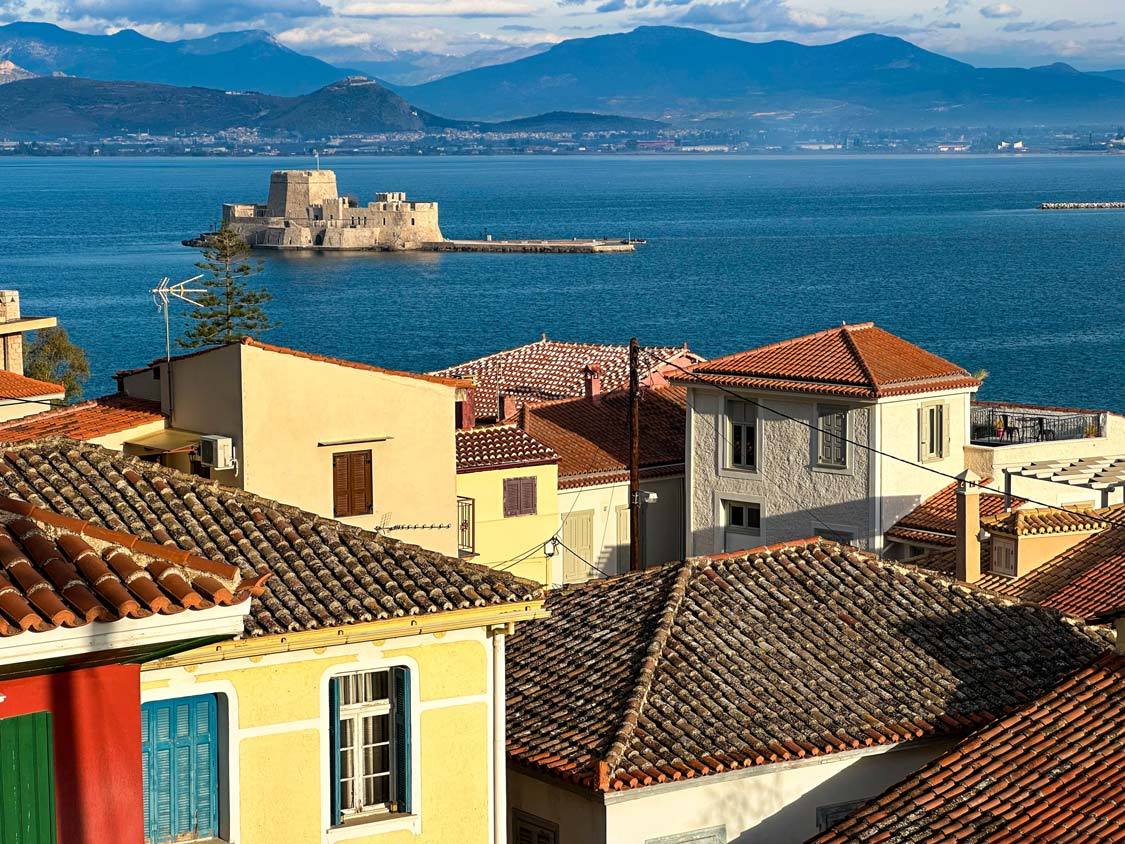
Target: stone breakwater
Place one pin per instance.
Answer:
(1080, 206)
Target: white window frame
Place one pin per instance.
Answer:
(364, 827)
(356, 713)
(752, 439)
(929, 450)
(725, 527)
(819, 435)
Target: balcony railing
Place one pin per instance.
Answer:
(466, 527)
(995, 425)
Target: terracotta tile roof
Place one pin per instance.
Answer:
(326, 573)
(57, 571)
(14, 386)
(773, 654)
(852, 361)
(499, 447)
(591, 436)
(552, 369)
(934, 521)
(1051, 771)
(284, 350)
(85, 421)
(1043, 520)
(1086, 579)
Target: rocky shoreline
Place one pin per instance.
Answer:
(1080, 206)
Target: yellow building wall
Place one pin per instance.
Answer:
(500, 539)
(277, 734)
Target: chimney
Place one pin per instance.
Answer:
(508, 407)
(592, 378)
(968, 527)
(466, 414)
(13, 343)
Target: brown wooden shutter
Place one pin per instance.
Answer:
(359, 472)
(340, 498)
(511, 497)
(527, 496)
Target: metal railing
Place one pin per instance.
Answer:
(466, 527)
(999, 425)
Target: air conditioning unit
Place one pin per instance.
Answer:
(216, 451)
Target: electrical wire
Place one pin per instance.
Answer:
(872, 449)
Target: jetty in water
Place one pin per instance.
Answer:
(1081, 206)
(304, 211)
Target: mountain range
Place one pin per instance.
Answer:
(686, 75)
(679, 76)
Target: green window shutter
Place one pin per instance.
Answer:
(401, 704)
(334, 734)
(27, 780)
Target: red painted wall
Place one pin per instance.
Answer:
(96, 718)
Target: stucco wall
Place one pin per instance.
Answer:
(500, 539)
(775, 806)
(796, 499)
(18, 409)
(117, 439)
(290, 404)
(277, 738)
(581, 818)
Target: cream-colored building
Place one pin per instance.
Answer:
(777, 438)
(370, 446)
(19, 395)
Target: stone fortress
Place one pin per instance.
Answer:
(304, 211)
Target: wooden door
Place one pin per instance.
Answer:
(578, 537)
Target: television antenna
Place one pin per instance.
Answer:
(164, 293)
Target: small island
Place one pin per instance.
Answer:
(304, 211)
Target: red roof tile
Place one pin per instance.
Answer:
(499, 447)
(854, 361)
(1050, 772)
(591, 436)
(774, 654)
(934, 521)
(14, 386)
(1043, 520)
(57, 571)
(552, 369)
(86, 421)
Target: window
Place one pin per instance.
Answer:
(830, 815)
(711, 835)
(180, 769)
(351, 483)
(370, 731)
(933, 432)
(831, 438)
(1003, 557)
(742, 435)
(28, 767)
(528, 829)
(466, 526)
(743, 523)
(519, 497)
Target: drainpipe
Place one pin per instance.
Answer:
(499, 738)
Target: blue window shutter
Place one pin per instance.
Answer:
(401, 680)
(179, 762)
(334, 749)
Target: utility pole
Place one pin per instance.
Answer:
(634, 457)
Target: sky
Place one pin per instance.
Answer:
(1089, 34)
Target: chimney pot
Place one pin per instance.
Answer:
(968, 527)
(508, 407)
(592, 379)
(466, 414)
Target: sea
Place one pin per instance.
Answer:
(950, 252)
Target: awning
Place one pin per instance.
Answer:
(1099, 473)
(165, 442)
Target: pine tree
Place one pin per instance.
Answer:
(53, 357)
(229, 310)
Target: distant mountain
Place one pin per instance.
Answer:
(409, 67)
(686, 76)
(571, 121)
(242, 61)
(1119, 75)
(49, 107)
(10, 72)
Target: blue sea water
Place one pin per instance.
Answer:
(949, 252)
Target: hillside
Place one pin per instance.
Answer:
(49, 107)
(571, 121)
(243, 61)
(685, 75)
(11, 72)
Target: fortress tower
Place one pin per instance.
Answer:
(293, 191)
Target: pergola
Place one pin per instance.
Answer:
(1101, 474)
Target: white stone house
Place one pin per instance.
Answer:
(775, 438)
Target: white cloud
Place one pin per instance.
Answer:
(1000, 10)
(440, 9)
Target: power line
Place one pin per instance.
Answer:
(872, 448)
(596, 568)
